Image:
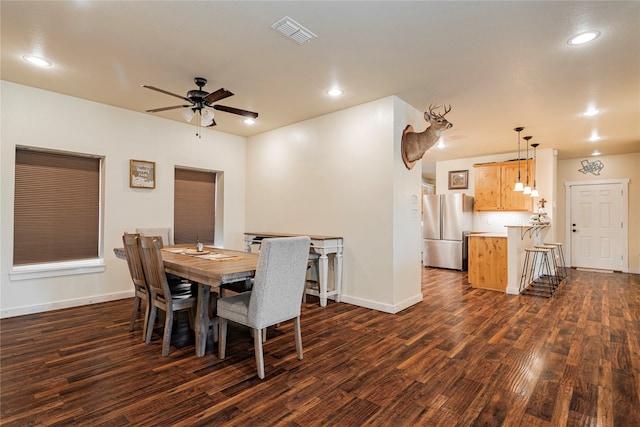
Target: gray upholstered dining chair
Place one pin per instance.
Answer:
(276, 295)
(160, 295)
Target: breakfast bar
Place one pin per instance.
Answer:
(496, 259)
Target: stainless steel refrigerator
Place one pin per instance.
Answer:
(447, 221)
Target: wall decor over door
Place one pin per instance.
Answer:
(591, 167)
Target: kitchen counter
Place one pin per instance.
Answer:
(496, 258)
(487, 234)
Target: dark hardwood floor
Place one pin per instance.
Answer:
(462, 357)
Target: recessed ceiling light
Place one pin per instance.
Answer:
(584, 37)
(591, 112)
(334, 92)
(595, 153)
(36, 60)
(594, 136)
(440, 143)
(249, 121)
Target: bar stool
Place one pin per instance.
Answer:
(553, 263)
(537, 260)
(562, 267)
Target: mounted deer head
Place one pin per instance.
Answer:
(415, 144)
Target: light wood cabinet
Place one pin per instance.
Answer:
(494, 184)
(488, 262)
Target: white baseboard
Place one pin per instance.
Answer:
(512, 291)
(386, 308)
(58, 305)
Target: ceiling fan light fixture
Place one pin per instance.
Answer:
(199, 101)
(188, 115)
(206, 117)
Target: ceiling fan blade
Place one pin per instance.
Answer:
(237, 111)
(217, 95)
(165, 92)
(155, 110)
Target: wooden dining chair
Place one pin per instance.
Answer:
(276, 295)
(141, 292)
(160, 295)
(165, 232)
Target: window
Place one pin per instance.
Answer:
(194, 206)
(56, 207)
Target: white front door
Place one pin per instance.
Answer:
(597, 226)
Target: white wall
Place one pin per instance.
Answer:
(341, 174)
(44, 119)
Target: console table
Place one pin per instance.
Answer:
(323, 246)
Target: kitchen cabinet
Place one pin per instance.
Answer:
(488, 261)
(494, 184)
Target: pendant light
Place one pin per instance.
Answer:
(534, 192)
(519, 186)
(527, 187)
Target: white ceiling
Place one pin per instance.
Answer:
(498, 64)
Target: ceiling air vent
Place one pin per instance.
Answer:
(293, 30)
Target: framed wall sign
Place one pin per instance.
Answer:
(458, 180)
(142, 174)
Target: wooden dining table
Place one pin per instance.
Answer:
(209, 270)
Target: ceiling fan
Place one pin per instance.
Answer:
(198, 99)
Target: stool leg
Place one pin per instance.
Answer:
(523, 276)
(554, 264)
(563, 266)
(545, 262)
(537, 267)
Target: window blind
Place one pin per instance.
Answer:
(194, 206)
(56, 207)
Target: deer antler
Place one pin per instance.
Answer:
(441, 116)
